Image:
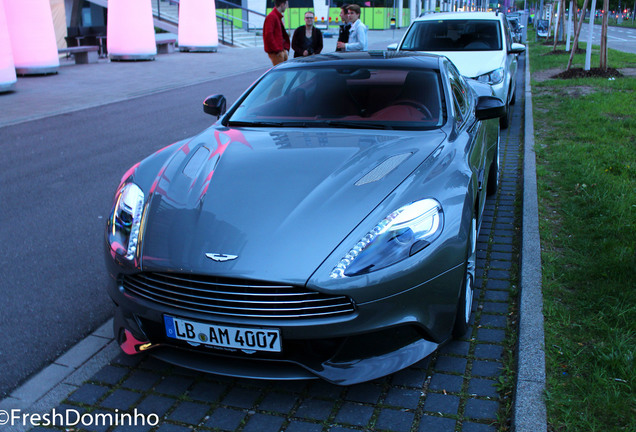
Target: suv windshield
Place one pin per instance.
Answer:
(351, 97)
(453, 35)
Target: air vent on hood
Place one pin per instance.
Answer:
(383, 169)
(196, 161)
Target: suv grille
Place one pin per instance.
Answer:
(231, 297)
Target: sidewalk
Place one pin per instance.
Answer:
(454, 389)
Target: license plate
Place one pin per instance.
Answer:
(243, 338)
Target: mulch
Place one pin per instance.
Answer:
(592, 73)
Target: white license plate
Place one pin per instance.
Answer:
(243, 338)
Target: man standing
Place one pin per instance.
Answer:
(275, 37)
(358, 32)
(345, 26)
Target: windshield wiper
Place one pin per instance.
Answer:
(255, 124)
(356, 125)
(317, 124)
(300, 124)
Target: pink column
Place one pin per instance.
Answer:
(130, 30)
(32, 36)
(7, 68)
(197, 26)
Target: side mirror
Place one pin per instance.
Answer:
(215, 105)
(489, 107)
(517, 48)
(392, 47)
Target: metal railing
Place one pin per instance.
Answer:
(245, 13)
(222, 36)
(225, 18)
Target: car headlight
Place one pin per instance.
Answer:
(401, 234)
(494, 77)
(125, 221)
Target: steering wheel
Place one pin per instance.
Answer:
(417, 105)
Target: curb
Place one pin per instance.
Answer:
(529, 407)
(49, 387)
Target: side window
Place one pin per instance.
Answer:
(507, 33)
(460, 94)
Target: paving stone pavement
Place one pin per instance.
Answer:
(455, 389)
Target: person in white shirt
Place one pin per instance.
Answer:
(357, 33)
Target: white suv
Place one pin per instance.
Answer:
(478, 43)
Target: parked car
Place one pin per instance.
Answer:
(516, 28)
(543, 28)
(478, 43)
(325, 226)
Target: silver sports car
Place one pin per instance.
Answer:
(325, 225)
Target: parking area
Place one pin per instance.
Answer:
(459, 388)
(462, 387)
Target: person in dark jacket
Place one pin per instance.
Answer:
(275, 37)
(345, 26)
(307, 39)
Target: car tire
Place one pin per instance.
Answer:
(465, 303)
(493, 173)
(514, 98)
(504, 121)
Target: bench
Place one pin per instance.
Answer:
(165, 43)
(83, 54)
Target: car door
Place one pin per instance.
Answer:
(511, 60)
(471, 132)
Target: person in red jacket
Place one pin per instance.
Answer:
(275, 37)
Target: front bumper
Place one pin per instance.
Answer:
(501, 91)
(380, 337)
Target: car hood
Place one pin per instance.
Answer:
(280, 201)
(472, 64)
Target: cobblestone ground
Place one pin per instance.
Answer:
(455, 389)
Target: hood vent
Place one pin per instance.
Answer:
(382, 170)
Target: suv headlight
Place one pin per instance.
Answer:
(494, 77)
(401, 234)
(125, 221)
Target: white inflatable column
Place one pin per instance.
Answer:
(197, 26)
(130, 30)
(32, 36)
(7, 67)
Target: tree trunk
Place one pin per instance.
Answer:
(603, 64)
(575, 44)
(560, 22)
(575, 16)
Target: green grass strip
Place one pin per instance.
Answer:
(586, 171)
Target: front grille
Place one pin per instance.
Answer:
(238, 298)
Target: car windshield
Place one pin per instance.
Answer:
(453, 35)
(349, 97)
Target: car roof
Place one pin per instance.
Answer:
(460, 16)
(373, 58)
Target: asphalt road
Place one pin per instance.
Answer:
(618, 38)
(58, 178)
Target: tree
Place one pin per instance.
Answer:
(575, 44)
(560, 24)
(603, 63)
